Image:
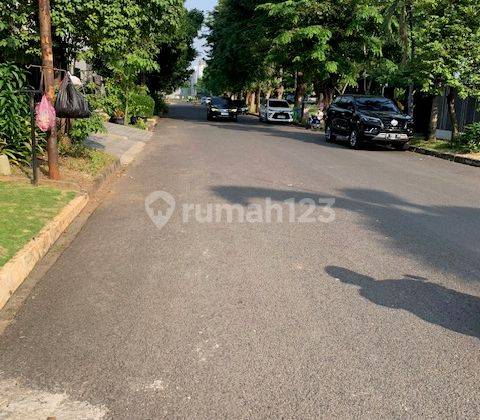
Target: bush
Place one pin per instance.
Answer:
(82, 128)
(161, 106)
(141, 105)
(470, 140)
(142, 125)
(15, 140)
(109, 104)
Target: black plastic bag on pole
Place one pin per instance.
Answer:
(70, 103)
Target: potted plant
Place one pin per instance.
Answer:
(118, 117)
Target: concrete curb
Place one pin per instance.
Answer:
(447, 156)
(100, 179)
(14, 272)
(132, 153)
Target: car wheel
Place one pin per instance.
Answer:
(402, 146)
(329, 136)
(209, 116)
(353, 140)
(260, 118)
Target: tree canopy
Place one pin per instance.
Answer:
(345, 45)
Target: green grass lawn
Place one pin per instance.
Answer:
(438, 145)
(442, 146)
(89, 161)
(24, 211)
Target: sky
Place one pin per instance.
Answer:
(206, 6)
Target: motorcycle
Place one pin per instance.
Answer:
(313, 122)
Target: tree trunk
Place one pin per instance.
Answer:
(328, 96)
(280, 91)
(251, 103)
(45, 21)
(410, 100)
(257, 100)
(432, 126)
(317, 89)
(300, 90)
(452, 113)
(299, 94)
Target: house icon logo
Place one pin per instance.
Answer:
(160, 206)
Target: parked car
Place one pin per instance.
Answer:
(373, 119)
(241, 106)
(221, 108)
(275, 110)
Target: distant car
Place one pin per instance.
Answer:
(205, 100)
(221, 108)
(373, 119)
(275, 110)
(290, 98)
(241, 106)
(310, 99)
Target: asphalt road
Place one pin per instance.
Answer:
(375, 314)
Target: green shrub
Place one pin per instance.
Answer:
(107, 103)
(142, 125)
(15, 140)
(470, 140)
(83, 127)
(141, 105)
(161, 106)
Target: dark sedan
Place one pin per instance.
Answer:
(221, 108)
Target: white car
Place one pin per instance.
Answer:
(275, 110)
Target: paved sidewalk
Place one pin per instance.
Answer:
(122, 141)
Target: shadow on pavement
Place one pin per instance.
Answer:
(431, 302)
(445, 238)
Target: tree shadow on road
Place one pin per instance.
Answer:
(431, 302)
(444, 237)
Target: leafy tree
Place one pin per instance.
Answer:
(448, 50)
(238, 39)
(174, 57)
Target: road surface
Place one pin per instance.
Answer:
(376, 313)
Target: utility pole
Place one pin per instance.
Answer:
(45, 21)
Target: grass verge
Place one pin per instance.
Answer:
(443, 146)
(88, 161)
(24, 211)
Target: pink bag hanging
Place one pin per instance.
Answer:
(45, 117)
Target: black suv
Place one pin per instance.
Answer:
(374, 119)
(221, 108)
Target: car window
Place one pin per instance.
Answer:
(221, 102)
(375, 104)
(342, 102)
(275, 103)
(336, 101)
(348, 104)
